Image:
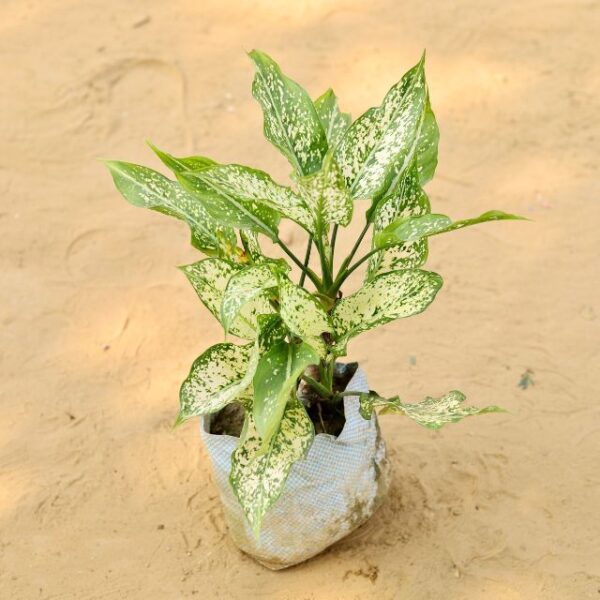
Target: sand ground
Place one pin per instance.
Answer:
(99, 498)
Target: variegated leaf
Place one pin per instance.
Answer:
(303, 314)
(228, 209)
(217, 378)
(245, 286)
(275, 378)
(291, 122)
(334, 121)
(327, 196)
(432, 413)
(252, 250)
(145, 187)
(388, 297)
(406, 199)
(410, 229)
(381, 143)
(178, 165)
(427, 145)
(258, 477)
(209, 279)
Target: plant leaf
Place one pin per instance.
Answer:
(227, 208)
(258, 477)
(179, 165)
(275, 378)
(145, 187)
(303, 314)
(209, 279)
(432, 413)
(390, 296)
(427, 145)
(290, 119)
(381, 143)
(327, 196)
(333, 121)
(409, 229)
(406, 199)
(251, 246)
(244, 286)
(217, 377)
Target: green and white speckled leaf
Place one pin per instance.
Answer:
(291, 122)
(380, 144)
(432, 413)
(209, 279)
(227, 208)
(427, 145)
(252, 250)
(178, 165)
(275, 378)
(147, 188)
(406, 199)
(303, 314)
(245, 286)
(217, 377)
(327, 196)
(258, 477)
(410, 229)
(388, 297)
(334, 121)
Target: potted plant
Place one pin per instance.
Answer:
(292, 432)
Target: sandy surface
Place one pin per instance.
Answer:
(99, 498)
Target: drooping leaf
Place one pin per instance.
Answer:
(244, 286)
(427, 145)
(291, 122)
(410, 229)
(145, 187)
(275, 379)
(327, 196)
(303, 314)
(187, 163)
(209, 279)
(406, 199)
(217, 377)
(390, 296)
(228, 209)
(432, 413)
(380, 144)
(258, 477)
(333, 121)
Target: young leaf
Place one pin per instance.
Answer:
(290, 119)
(178, 165)
(303, 314)
(275, 378)
(217, 377)
(258, 477)
(209, 279)
(409, 229)
(227, 208)
(145, 187)
(333, 121)
(381, 143)
(244, 286)
(432, 413)
(427, 145)
(406, 199)
(327, 196)
(390, 296)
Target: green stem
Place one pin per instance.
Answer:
(311, 274)
(321, 389)
(306, 260)
(333, 240)
(349, 258)
(343, 276)
(326, 272)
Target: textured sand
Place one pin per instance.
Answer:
(99, 498)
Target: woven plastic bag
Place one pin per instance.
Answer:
(327, 495)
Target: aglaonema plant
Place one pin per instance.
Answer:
(295, 330)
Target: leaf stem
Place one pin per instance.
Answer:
(323, 391)
(306, 260)
(342, 277)
(349, 258)
(311, 274)
(333, 240)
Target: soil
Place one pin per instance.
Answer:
(99, 496)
